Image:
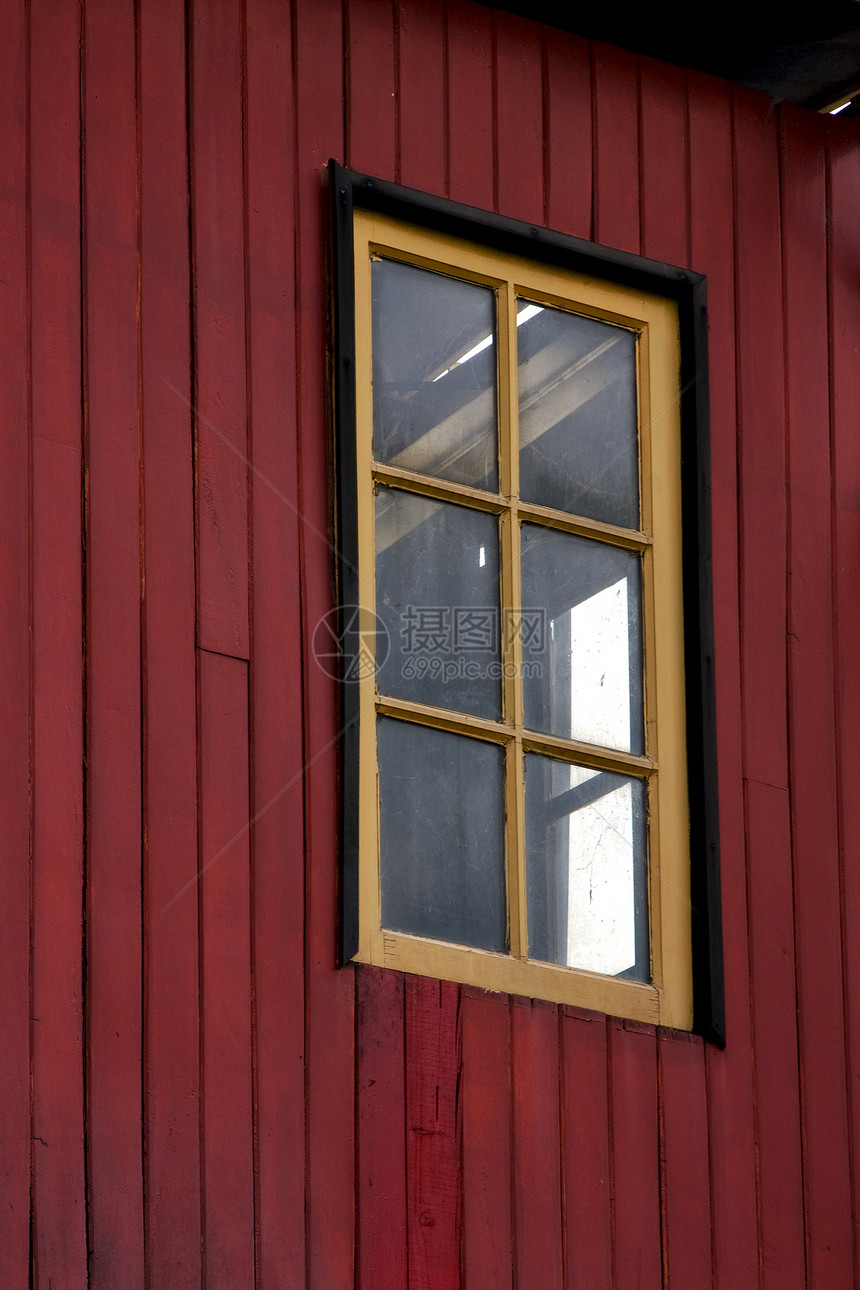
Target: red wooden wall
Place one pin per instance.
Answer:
(192, 1095)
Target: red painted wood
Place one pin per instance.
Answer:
(682, 1093)
(536, 1148)
(219, 327)
(433, 1134)
(729, 1086)
(224, 894)
(421, 135)
(761, 414)
(278, 853)
(663, 147)
(633, 1090)
(813, 764)
(284, 1034)
(329, 1020)
(470, 104)
(586, 1149)
(58, 1187)
(381, 1130)
(15, 694)
(615, 80)
(486, 1100)
(635, 1155)
(686, 1193)
(519, 118)
(391, 120)
(775, 1021)
(113, 1002)
(763, 625)
(371, 86)
(567, 109)
(171, 983)
(844, 196)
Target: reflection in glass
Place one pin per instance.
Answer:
(579, 448)
(434, 374)
(589, 684)
(441, 820)
(437, 595)
(586, 868)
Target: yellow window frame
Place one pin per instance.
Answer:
(668, 998)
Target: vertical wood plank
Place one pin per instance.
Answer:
(222, 543)
(615, 81)
(391, 120)
(278, 853)
(844, 201)
(227, 1129)
(729, 1073)
(58, 1196)
(686, 1192)
(470, 104)
(633, 1106)
(371, 87)
(663, 149)
(114, 1022)
(567, 108)
(381, 1131)
(15, 697)
(519, 118)
(811, 719)
(585, 1146)
(219, 323)
(433, 1133)
(761, 418)
(635, 1155)
(421, 95)
(775, 1028)
(682, 1095)
(171, 983)
(536, 1144)
(486, 1097)
(329, 1019)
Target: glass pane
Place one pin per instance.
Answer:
(579, 447)
(434, 374)
(441, 822)
(586, 681)
(586, 868)
(437, 596)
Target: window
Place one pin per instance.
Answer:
(517, 804)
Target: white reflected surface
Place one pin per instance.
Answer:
(586, 868)
(600, 668)
(591, 688)
(601, 915)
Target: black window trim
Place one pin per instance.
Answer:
(348, 190)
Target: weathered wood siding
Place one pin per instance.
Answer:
(192, 1094)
